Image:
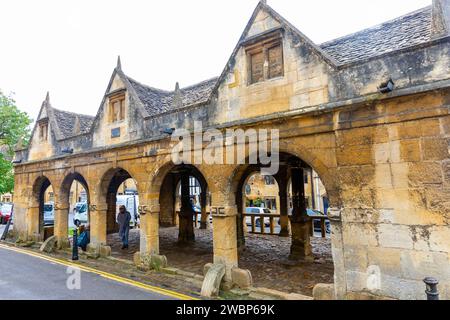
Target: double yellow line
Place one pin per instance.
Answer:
(165, 292)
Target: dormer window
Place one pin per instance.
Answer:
(117, 108)
(265, 59)
(43, 131)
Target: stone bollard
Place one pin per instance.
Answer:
(213, 279)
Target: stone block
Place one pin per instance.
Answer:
(387, 259)
(418, 265)
(206, 268)
(435, 149)
(425, 173)
(395, 236)
(105, 251)
(440, 239)
(242, 278)
(410, 150)
(49, 245)
(324, 291)
(150, 262)
(213, 279)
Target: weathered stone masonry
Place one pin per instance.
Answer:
(383, 157)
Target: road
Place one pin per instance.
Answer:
(27, 276)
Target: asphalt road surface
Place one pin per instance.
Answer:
(24, 277)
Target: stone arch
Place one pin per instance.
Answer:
(107, 194)
(329, 180)
(163, 187)
(36, 226)
(67, 183)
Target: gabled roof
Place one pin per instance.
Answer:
(406, 31)
(397, 34)
(158, 101)
(67, 123)
(64, 124)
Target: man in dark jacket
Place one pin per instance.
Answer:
(123, 219)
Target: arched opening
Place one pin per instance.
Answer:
(185, 224)
(42, 210)
(121, 190)
(283, 228)
(75, 197)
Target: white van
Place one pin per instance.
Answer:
(131, 202)
(49, 214)
(81, 213)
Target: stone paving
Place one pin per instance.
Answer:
(264, 256)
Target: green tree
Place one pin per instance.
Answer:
(14, 128)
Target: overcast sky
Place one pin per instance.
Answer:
(70, 47)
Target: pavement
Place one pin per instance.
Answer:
(32, 276)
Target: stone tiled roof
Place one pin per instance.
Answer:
(158, 101)
(408, 30)
(67, 122)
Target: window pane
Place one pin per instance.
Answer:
(275, 62)
(122, 110)
(257, 67)
(116, 111)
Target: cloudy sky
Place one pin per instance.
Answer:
(70, 47)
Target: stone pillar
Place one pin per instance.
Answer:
(282, 180)
(186, 217)
(300, 222)
(61, 231)
(111, 224)
(98, 234)
(149, 233)
(33, 224)
(284, 213)
(204, 217)
(225, 238)
(337, 249)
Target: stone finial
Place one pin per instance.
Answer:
(77, 126)
(263, 2)
(177, 100)
(46, 102)
(441, 19)
(119, 63)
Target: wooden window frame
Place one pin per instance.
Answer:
(113, 99)
(43, 130)
(264, 46)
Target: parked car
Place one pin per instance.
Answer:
(49, 214)
(131, 202)
(5, 212)
(257, 212)
(317, 225)
(81, 213)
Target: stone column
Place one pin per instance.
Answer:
(98, 234)
(186, 216)
(337, 249)
(300, 222)
(282, 180)
(62, 225)
(149, 233)
(225, 238)
(284, 213)
(33, 224)
(204, 217)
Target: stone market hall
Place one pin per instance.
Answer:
(368, 113)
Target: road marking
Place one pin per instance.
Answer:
(104, 274)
